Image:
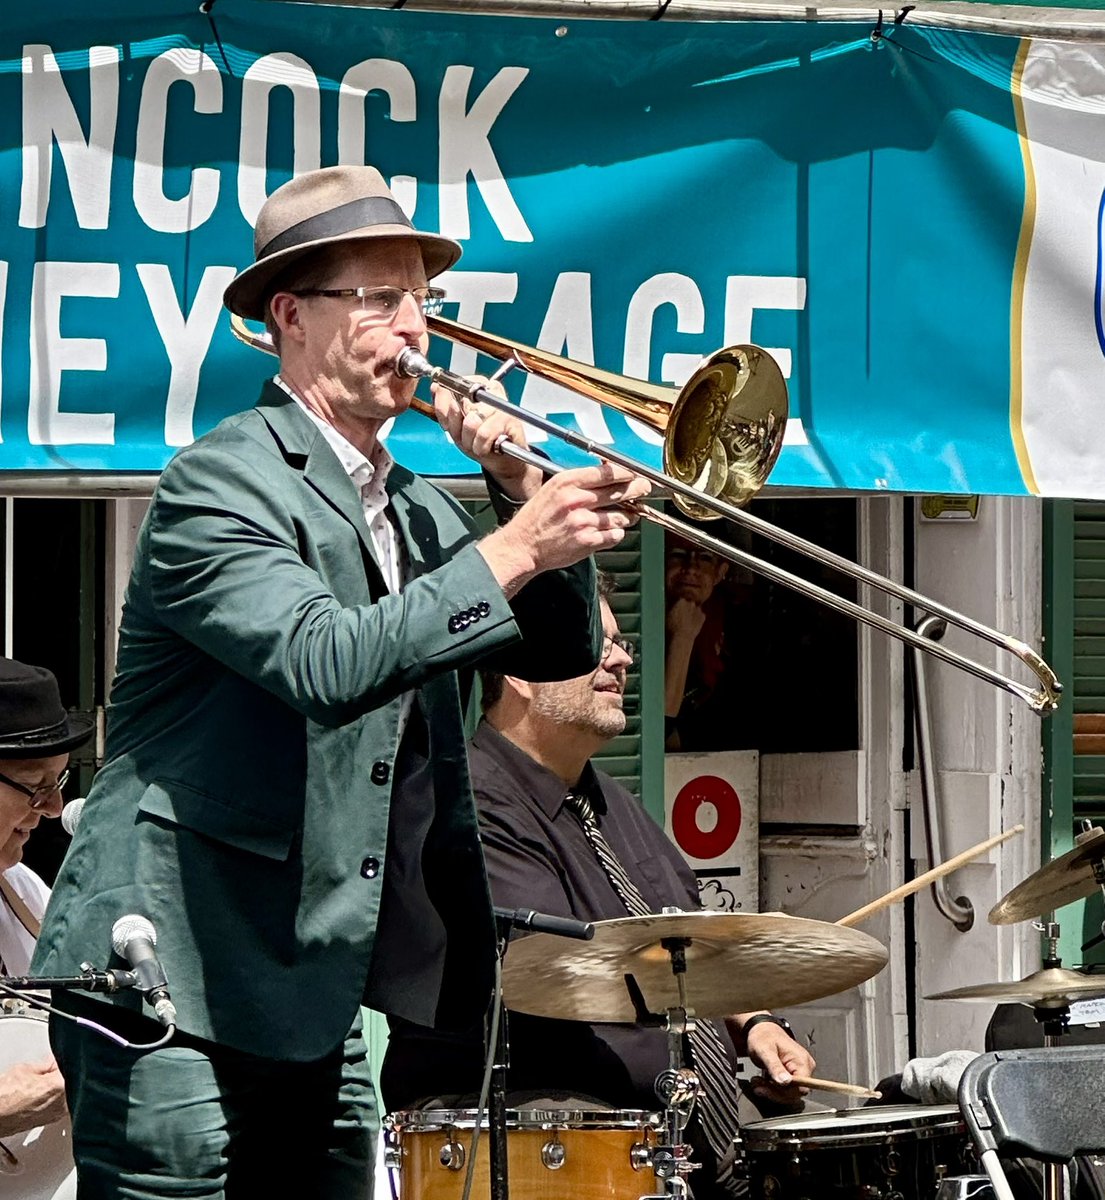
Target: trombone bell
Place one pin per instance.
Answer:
(726, 428)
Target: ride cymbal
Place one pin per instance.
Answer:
(1053, 987)
(1072, 876)
(736, 962)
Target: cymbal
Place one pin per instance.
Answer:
(1061, 881)
(1053, 987)
(736, 962)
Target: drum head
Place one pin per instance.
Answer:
(852, 1126)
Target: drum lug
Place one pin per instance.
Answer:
(393, 1156)
(553, 1154)
(451, 1156)
(640, 1156)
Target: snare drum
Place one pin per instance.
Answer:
(36, 1164)
(550, 1154)
(894, 1152)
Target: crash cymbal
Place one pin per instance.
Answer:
(1070, 877)
(1053, 987)
(736, 962)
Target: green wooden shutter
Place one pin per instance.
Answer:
(1088, 683)
(1074, 783)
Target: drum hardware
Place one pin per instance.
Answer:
(722, 432)
(677, 1087)
(451, 1156)
(1072, 876)
(553, 1154)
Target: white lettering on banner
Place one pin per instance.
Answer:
(273, 71)
(464, 148)
(189, 212)
(681, 292)
(186, 338)
(48, 116)
(397, 83)
(473, 291)
(744, 294)
(52, 354)
(3, 299)
(567, 329)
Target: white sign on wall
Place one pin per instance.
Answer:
(712, 813)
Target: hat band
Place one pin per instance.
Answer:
(43, 734)
(356, 214)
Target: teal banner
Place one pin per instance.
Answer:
(629, 194)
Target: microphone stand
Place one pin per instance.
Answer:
(89, 980)
(507, 919)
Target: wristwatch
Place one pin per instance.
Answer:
(759, 1018)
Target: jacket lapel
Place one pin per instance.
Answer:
(306, 450)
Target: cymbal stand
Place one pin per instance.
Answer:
(677, 1086)
(1055, 1021)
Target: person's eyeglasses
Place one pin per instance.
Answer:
(38, 797)
(380, 304)
(608, 644)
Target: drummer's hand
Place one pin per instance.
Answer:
(477, 428)
(780, 1058)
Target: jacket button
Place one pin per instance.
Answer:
(370, 868)
(380, 772)
(483, 608)
(474, 614)
(453, 626)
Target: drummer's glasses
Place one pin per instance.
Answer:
(38, 797)
(381, 304)
(608, 644)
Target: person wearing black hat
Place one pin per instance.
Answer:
(36, 735)
(285, 794)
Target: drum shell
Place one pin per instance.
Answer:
(893, 1152)
(605, 1155)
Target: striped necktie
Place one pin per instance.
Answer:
(717, 1098)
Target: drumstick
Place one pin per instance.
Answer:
(915, 885)
(830, 1085)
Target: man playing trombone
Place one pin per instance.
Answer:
(285, 794)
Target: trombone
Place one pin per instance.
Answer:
(722, 432)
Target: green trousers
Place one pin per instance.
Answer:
(199, 1120)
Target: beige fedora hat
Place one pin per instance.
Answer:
(319, 208)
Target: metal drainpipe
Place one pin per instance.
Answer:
(959, 911)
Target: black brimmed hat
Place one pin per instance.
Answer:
(33, 721)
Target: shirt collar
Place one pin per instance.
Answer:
(546, 787)
(363, 471)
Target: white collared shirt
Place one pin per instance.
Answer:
(369, 476)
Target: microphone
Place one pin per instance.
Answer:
(71, 815)
(535, 922)
(133, 938)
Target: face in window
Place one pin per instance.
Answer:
(691, 573)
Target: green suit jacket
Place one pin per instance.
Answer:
(254, 729)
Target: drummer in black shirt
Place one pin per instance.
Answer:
(533, 749)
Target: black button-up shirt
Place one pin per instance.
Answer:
(539, 858)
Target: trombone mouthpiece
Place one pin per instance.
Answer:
(413, 365)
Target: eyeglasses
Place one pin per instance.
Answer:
(694, 557)
(380, 304)
(38, 797)
(608, 644)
